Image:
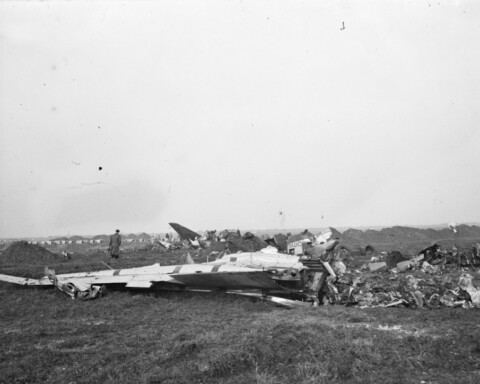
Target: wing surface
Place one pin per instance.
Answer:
(44, 281)
(190, 276)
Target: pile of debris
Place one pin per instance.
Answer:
(431, 259)
(22, 252)
(435, 278)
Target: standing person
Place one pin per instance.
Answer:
(115, 242)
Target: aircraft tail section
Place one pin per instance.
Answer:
(184, 233)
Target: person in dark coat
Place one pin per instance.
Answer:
(115, 242)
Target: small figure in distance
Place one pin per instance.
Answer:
(114, 247)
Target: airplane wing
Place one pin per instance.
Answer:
(44, 281)
(196, 276)
(224, 277)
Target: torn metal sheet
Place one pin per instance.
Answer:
(376, 267)
(260, 260)
(326, 240)
(287, 303)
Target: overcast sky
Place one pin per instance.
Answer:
(222, 114)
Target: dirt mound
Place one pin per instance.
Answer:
(22, 252)
(101, 237)
(406, 238)
(234, 244)
(252, 244)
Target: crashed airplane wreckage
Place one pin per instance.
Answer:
(287, 280)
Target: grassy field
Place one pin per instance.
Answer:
(166, 337)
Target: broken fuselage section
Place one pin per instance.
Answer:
(296, 277)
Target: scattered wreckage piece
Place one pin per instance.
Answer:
(281, 301)
(436, 255)
(296, 242)
(278, 241)
(465, 283)
(316, 245)
(166, 244)
(209, 235)
(227, 234)
(377, 266)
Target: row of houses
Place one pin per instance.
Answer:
(86, 241)
(59, 242)
(136, 240)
